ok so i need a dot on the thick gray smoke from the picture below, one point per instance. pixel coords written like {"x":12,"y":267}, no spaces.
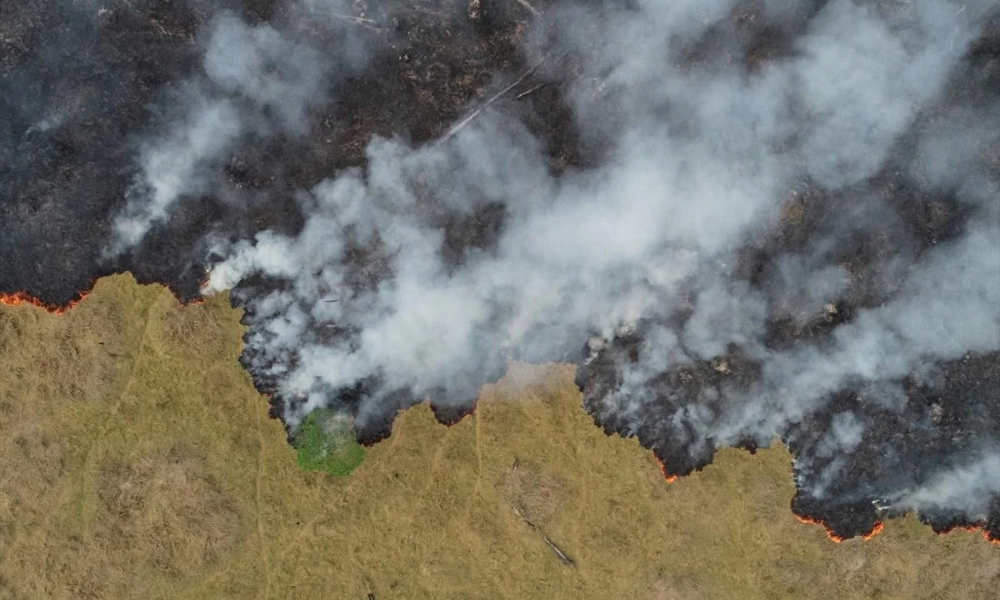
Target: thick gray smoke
{"x":702,"y":157}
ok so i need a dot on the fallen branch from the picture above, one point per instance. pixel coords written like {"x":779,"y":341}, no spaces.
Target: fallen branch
{"x":458,"y":127}
{"x":369,"y":23}
{"x":531,"y":91}
{"x":566,"y":560}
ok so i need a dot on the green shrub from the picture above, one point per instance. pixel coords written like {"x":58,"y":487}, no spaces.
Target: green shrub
{"x":326,"y":442}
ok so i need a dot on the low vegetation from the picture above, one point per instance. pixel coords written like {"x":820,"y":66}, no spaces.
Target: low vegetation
{"x":326,"y":442}
{"x":137,"y":461}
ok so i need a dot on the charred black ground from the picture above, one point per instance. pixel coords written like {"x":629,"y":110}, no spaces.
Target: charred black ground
{"x":82,"y":83}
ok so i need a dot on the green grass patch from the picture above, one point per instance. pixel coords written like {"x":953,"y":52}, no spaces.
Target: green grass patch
{"x":326,"y":442}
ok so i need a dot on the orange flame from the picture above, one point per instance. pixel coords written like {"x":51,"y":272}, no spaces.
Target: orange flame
{"x":880,"y":527}
{"x":22,"y":298}
{"x":877,"y":529}
{"x":670,"y":478}
{"x":812,"y":521}
{"x":980,"y":527}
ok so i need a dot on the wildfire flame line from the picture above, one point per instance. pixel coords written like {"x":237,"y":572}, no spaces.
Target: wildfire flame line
{"x":980,"y":527}
{"x":669,"y":477}
{"x":23,"y":298}
{"x":26,"y":299}
{"x":877,"y":529}
{"x":880,"y":527}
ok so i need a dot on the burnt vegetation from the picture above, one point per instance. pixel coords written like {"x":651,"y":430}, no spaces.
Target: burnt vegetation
{"x":79,"y":86}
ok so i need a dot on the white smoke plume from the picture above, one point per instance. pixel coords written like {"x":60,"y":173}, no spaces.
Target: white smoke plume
{"x":179,"y":164}
{"x":965,"y":489}
{"x":700,"y":159}
{"x":254,"y":79}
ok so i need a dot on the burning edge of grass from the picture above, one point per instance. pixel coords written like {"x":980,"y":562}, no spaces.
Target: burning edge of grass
{"x":326,"y":441}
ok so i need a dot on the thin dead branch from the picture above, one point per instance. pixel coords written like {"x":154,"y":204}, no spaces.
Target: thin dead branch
{"x":369,"y":23}
{"x":566,"y":560}
{"x":458,"y":126}
{"x":530,"y":91}
{"x":563,"y":557}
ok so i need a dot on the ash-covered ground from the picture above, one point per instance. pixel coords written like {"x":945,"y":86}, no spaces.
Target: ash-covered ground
{"x":740,"y":219}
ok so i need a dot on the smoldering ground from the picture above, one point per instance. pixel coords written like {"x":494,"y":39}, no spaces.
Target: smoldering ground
{"x":740,"y":219}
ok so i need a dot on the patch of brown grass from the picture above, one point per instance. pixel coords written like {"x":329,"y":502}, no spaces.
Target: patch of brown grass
{"x":137,"y":461}
{"x":537,"y":493}
{"x":167,"y":510}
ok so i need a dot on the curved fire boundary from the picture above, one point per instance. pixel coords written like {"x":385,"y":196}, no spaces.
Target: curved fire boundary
{"x":451,"y":416}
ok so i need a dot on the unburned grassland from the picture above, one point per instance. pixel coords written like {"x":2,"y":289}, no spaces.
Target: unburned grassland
{"x":137,"y":461}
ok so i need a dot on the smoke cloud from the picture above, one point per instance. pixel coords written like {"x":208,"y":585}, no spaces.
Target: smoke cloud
{"x":788,"y":220}
{"x":966,"y":489}
{"x":255,"y":80}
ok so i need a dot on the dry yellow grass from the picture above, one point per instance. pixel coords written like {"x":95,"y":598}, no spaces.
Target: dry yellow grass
{"x":137,"y":461}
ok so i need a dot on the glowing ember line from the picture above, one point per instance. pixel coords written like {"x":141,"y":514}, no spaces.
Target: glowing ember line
{"x":670,"y":478}
{"x":22,"y":299}
{"x":26,"y":299}
{"x":978,"y":527}
{"x":811,"y":521}
{"x":877,"y":529}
